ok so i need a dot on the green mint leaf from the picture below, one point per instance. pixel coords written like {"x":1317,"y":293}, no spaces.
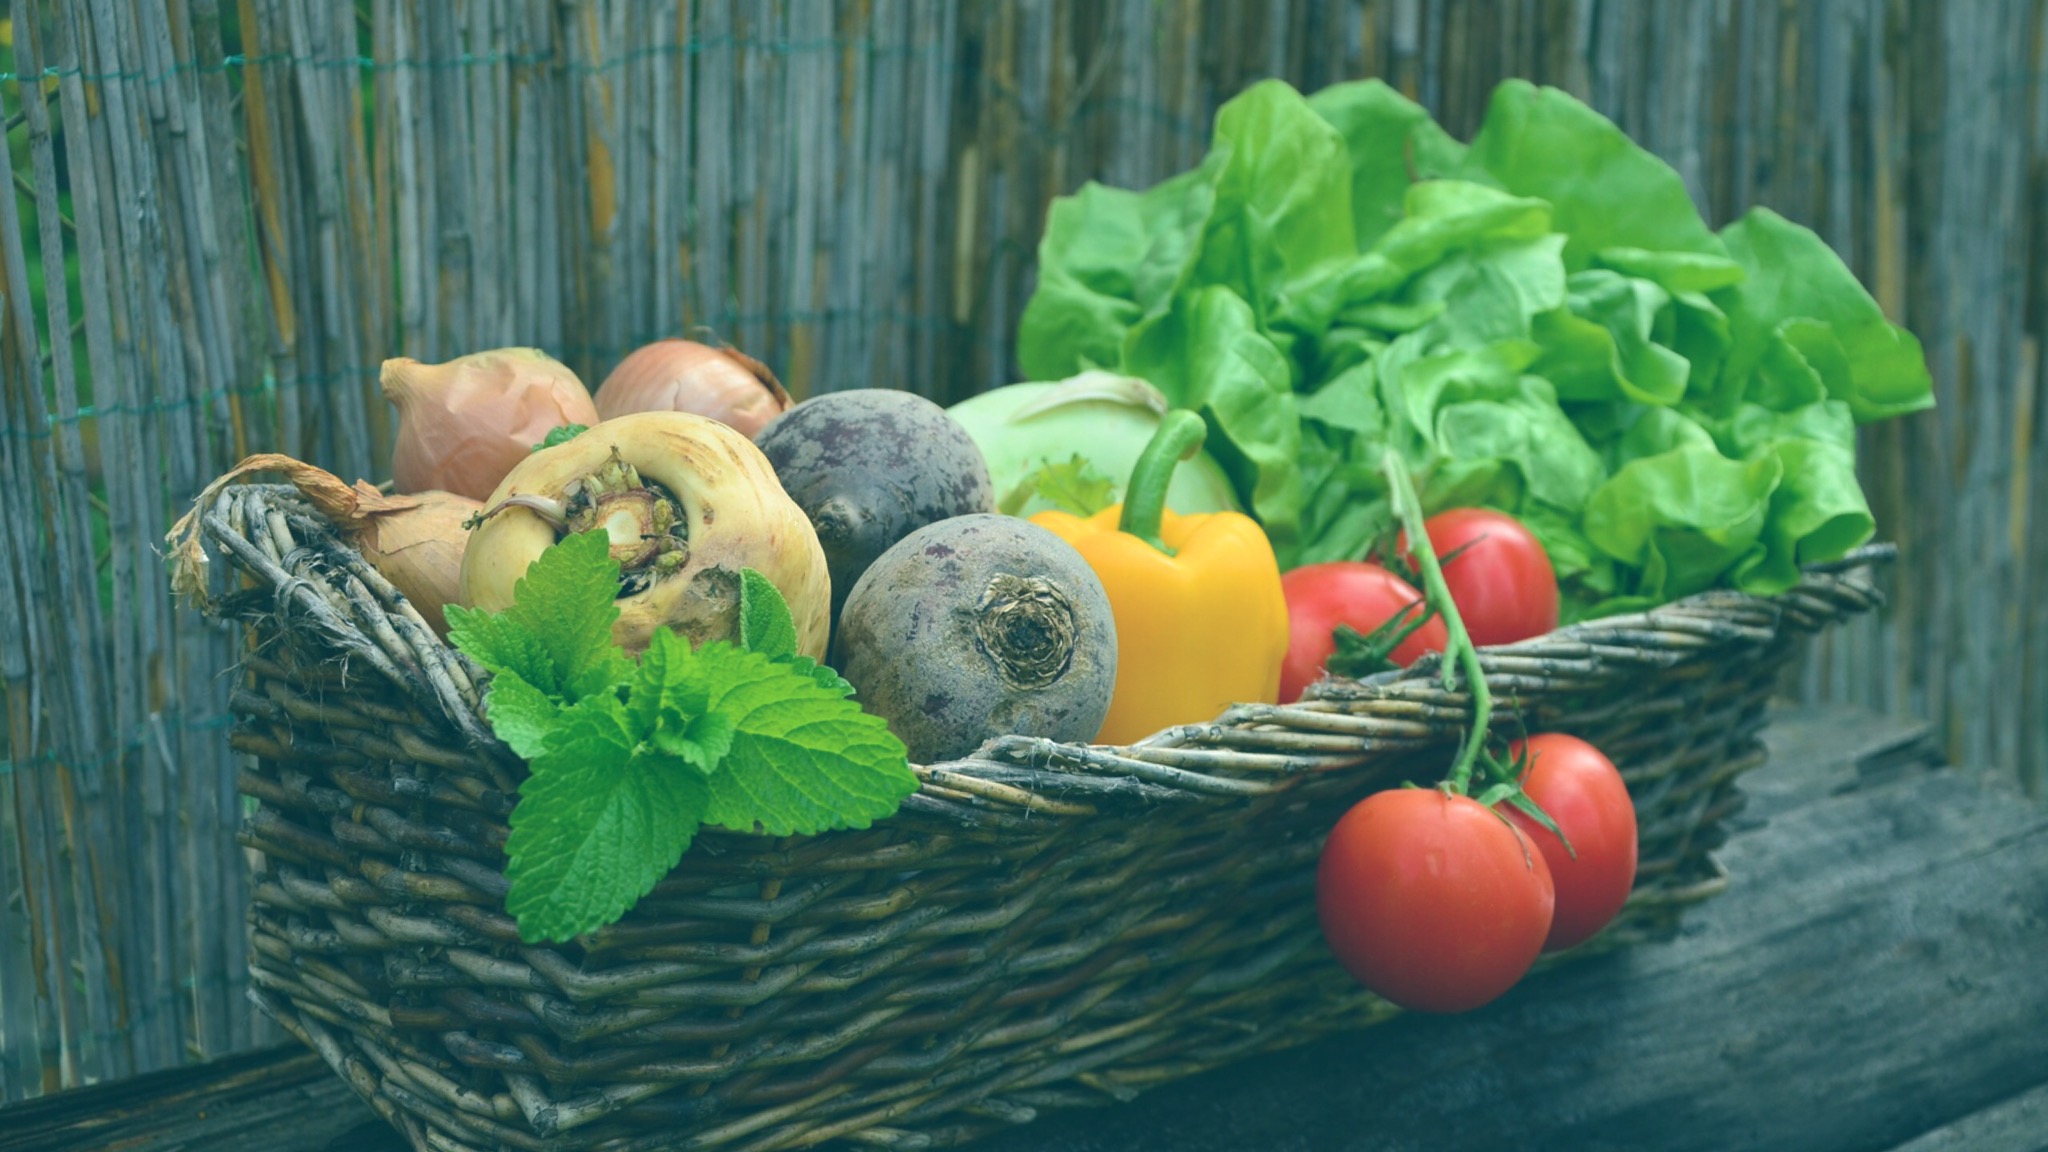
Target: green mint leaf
{"x":557,"y":636}
{"x":562,"y":435}
{"x":1072,"y":485}
{"x":670,"y":705}
{"x":599,"y":821}
{"x":804,"y":758}
{"x":667,"y":684}
{"x":702,"y":742}
{"x":501,"y":644}
{"x":765,"y":624}
{"x":822,"y":674}
{"x":520,"y":714}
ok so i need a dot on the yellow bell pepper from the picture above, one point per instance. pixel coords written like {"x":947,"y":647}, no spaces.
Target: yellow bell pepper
{"x":1201,"y":622}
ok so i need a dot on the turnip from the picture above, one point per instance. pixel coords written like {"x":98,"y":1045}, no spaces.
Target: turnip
{"x":869,"y":466}
{"x":688,"y":504}
{"x":976,"y":627}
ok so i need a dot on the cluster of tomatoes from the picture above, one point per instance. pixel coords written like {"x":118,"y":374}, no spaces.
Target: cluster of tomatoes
{"x":1429,"y":897}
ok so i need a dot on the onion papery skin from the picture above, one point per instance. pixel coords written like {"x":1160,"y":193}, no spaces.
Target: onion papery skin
{"x":420,"y":551}
{"x":465,"y":424}
{"x":685,"y":376}
{"x":414,"y":541}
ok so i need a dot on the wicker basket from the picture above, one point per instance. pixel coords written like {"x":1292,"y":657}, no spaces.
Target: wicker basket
{"x":1039,"y":927}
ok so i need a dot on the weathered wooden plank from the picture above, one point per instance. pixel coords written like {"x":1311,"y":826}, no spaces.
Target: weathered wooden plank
{"x":57,"y":493}
{"x":2014,"y":1124}
{"x":271,"y":1100}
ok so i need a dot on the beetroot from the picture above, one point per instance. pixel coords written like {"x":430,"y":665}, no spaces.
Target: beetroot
{"x":977,"y":627}
{"x":869,"y":466}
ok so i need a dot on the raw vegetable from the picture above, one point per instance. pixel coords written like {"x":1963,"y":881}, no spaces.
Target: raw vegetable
{"x":1540,"y":323}
{"x":1033,"y":434}
{"x":1497,"y":571}
{"x":627,"y":760}
{"x":869,"y":466}
{"x":464,"y":424}
{"x":1201,"y":622}
{"x":1592,"y":855}
{"x":722,"y":383}
{"x":1324,"y":598}
{"x":415,"y":541}
{"x":420,"y":551}
{"x":1432,"y":900}
{"x":687,"y":503}
{"x":975,"y":627}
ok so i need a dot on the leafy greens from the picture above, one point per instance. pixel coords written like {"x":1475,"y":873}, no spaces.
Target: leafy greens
{"x":1540,"y":322}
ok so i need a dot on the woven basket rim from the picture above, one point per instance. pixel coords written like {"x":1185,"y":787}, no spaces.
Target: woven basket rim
{"x":1239,"y":753}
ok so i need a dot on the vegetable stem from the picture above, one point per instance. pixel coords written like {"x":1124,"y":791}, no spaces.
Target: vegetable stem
{"x":1458,"y":653}
{"x":1179,"y":437}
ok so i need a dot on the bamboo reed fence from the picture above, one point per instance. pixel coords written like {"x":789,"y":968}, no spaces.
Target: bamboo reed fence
{"x":228,"y":212}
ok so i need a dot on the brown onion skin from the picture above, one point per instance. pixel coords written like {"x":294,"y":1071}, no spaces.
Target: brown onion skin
{"x":420,"y":551}
{"x":464,"y":424}
{"x":685,"y":376}
{"x":416,"y":542}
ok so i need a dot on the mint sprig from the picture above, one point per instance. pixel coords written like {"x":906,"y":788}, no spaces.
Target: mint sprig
{"x":627,"y":760}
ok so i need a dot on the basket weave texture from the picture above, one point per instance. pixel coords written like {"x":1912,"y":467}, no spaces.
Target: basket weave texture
{"x":1040,"y":926}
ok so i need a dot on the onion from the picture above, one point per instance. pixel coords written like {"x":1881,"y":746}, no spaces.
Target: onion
{"x":684,"y":376}
{"x":415,"y":541}
{"x":463,"y":425}
{"x":420,"y":551}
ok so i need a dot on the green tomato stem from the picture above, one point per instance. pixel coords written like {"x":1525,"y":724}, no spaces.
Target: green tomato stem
{"x":1458,"y":653}
{"x":1179,"y":437}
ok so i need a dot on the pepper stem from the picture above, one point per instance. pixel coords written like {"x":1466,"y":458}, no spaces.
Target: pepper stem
{"x":1179,"y":437}
{"x":1459,"y":652}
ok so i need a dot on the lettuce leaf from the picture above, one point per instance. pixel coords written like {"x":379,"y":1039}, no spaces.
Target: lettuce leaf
{"x":1207,"y":353}
{"x":1801,"y":311}
{"x":1604,"y":190}
{"x":1383,"y":133}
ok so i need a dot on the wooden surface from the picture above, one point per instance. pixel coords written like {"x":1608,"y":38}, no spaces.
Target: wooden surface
{"x":1872,"y":980}
{"x":252,"y":203}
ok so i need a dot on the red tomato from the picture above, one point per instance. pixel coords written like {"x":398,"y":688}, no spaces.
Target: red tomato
{"x":1579,"y":788}
{"x":1365,"y":596}
{"x":1432,"y":901}
{"x":1503,"y":584}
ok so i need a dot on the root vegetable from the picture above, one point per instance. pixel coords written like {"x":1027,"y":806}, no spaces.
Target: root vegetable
{"x":870,"y":466}
{"x":687,"y":503}
{"x":464,"y":424}
{"x":975,"y":627}
{"x":420,"y":551}
{"x":684,"y":376}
